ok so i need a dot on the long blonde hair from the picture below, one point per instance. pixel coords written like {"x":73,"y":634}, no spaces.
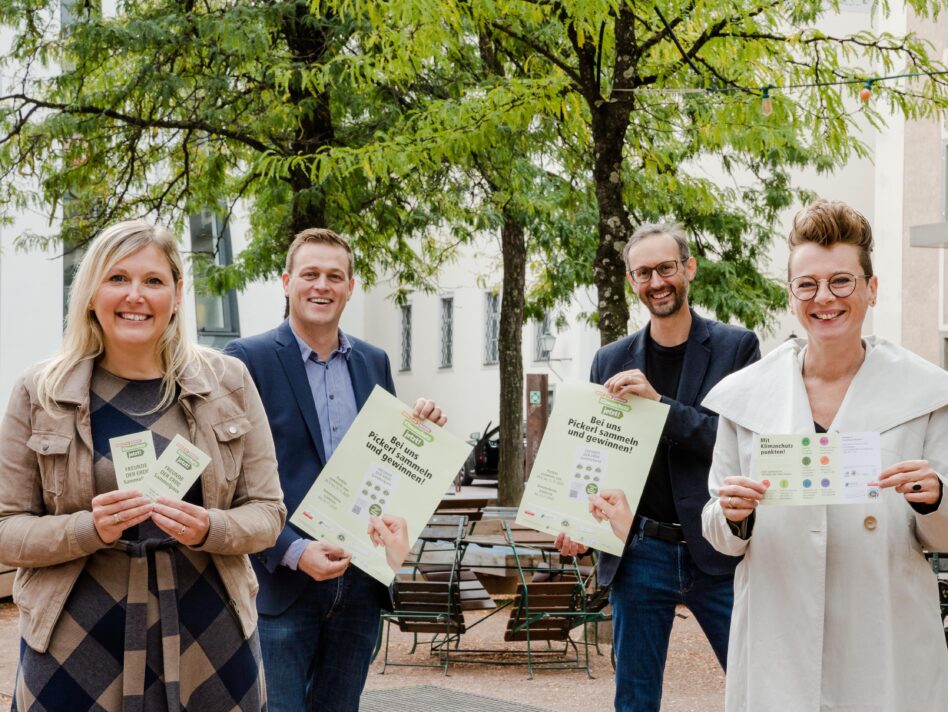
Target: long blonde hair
{"x":83,"y":338}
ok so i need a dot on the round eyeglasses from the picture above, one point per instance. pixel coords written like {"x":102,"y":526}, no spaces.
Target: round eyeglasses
{"x":641,"y":275}
{"x":841,"y":284}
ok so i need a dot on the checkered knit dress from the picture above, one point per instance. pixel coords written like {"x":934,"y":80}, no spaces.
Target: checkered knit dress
{"x":147,"y":626}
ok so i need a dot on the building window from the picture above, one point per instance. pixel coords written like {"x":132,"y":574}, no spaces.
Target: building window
{"x":492,"y":330}
{"x":447,"y":332}
{"x":216,"y":315}
{"x":406,"y":338}
{"x":542,"y":343}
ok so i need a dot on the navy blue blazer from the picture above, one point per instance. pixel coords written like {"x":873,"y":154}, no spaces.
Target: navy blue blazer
{"x":714,"y":350}
{"x":276,"y":366}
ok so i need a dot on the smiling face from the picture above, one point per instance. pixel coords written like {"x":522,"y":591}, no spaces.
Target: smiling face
{"x":136,"y":300}
{"x":662,"y":296}
{"x":826,"y":317}
{"x":318,"y":287}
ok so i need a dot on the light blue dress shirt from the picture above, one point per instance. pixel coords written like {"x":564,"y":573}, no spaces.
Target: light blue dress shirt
{"x":336,"y":408}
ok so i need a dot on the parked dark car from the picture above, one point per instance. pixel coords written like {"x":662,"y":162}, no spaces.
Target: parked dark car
{"x":484,"y":459}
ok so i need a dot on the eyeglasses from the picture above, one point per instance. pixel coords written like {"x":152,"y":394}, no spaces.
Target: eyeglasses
{"x":641,"y":275}
{"x":841,"y":284}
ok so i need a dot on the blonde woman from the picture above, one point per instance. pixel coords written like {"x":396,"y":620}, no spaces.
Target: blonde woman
{"x":126,"y":603}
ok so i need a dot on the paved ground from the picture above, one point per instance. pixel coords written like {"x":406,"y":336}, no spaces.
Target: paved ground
{"x":693,"y":680}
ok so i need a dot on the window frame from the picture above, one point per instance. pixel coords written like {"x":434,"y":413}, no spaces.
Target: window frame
{"x":405,"y":365}
{"x":492,"y":307}
{"x":447,"y":332}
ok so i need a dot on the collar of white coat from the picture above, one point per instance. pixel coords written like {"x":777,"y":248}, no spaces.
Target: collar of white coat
{"x":892,"y":386}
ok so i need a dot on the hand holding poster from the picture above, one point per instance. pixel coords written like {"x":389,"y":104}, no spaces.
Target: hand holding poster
{"x":389,"y":462}
{"x":823,"y":468}
{"x":592,"y":442}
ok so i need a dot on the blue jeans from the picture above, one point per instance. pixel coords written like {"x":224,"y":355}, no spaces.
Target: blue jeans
{"x":316,"y":654}
{"x":653,"y":577}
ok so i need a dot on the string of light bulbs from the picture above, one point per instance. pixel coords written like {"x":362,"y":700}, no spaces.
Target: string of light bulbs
{"x":767,"y":91}
{"x":865,"y":94}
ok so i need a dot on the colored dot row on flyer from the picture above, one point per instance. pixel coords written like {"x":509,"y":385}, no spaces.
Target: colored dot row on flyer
{"x":824,"y":460}
{"x":807,"y":483}
{"x":824,"y":441}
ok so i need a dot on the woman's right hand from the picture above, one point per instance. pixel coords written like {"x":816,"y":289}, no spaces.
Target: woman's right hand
{"x":392,"y":533}
{"x":739,"y":497}
{"x":116,"y":511}
{"x":611,"y":505}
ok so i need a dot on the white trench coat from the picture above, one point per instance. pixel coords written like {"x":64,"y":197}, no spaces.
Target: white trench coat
{"x":835,"y":607}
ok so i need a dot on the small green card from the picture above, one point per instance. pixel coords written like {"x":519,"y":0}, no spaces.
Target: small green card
{"x":133,"y":457}
{"x":176,"y":470}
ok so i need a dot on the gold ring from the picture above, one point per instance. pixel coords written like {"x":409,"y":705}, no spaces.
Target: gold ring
{"x":182,"y":531}
{"x":116,"y":519}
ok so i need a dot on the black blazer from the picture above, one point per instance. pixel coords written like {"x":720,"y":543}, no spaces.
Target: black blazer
{"x":714,"y":350}
{"x":276,"y":366}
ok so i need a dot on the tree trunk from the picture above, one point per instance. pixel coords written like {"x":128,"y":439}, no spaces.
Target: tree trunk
{"x":610,"y":121}
{"x":308,"y":43}
{"x":309,"y":39}
{"x":510,"y":475}
{"x":614,"y":227}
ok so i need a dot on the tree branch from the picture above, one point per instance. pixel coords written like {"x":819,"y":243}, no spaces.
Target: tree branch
{"x":88,"y":110}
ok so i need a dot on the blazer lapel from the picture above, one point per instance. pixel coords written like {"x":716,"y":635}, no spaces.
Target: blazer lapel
{"x":362,"y":385}
{"x":695,"y":364}
{"x":289,"y":354}
{"x":636,"y":355}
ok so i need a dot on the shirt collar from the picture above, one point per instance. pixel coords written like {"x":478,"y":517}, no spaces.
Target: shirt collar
{"x":344,"y":348}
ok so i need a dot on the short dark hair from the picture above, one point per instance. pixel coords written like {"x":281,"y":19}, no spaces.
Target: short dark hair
{"x":827,"y":223}
{"x":320,"y":235}
{"x":673,"y":230}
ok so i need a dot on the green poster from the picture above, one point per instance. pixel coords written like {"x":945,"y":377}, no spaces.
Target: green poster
{"x":389,"y":462}
{"x":592,"y":442}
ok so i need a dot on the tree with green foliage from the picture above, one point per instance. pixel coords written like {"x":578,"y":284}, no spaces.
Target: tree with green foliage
{"x":639,"y":100}
{"x":169,"y":108}
{"x":645,"y":96}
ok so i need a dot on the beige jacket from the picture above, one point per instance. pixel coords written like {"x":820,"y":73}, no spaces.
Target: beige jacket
{"x":46,"y":488}
{"x":835,"y":607}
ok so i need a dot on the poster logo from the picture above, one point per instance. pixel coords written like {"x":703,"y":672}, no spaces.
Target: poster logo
{"x":612,"y":406}
{"x":417,"y":432}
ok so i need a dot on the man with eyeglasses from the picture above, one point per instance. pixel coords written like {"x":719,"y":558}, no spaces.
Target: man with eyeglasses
{"x":676,"y":359}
